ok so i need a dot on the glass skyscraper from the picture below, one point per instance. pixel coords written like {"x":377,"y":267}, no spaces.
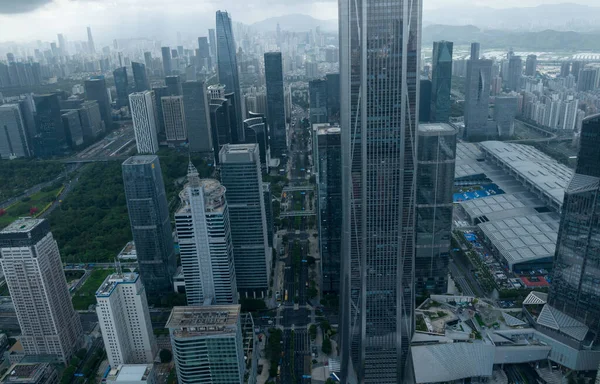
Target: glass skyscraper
{"x":121,"y":84}
{"x":477,"y":97}
{"x":275,"y":102}
{"x":379,"y":88}
{"x":575,"y":286}
{"x":441,"y":81}
{"x":140,"y":77}
{"x":228,"y":69}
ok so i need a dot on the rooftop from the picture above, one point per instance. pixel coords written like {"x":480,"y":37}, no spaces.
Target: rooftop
{"x":140,"y":159}
{"x":467,"y":160}
{"x":436,"y":128}
{"x":498,"y":207}
{"x":25,"y":373}
{"x":22,"y":225}
{"x":130,"y":372}
{"x":112,"y":281}
{"x":208,"y":320}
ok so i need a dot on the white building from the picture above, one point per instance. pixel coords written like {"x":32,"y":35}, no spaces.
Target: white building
{"x":33,"y":271}
{"x":144,"y":121}
{"x":205,"y":243}
{"x":132,"y":374}
{"x":124,"y":320}
{"x":174,"y":117}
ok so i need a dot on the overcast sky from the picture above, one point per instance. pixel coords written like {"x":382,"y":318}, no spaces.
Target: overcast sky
{"x":26,"y":20}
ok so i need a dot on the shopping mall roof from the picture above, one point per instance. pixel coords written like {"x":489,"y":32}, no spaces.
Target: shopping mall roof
{"x":538,"y":172}
{"x":468,"y":157}
{"x":499,"y":207}
{"x":523,"y":239}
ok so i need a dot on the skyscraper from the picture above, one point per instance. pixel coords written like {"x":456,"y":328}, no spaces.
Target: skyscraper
{"x":333,"y":97}
{"x":124,"y":318}
{"x":212,"y":39}
{"x":565,"y":69}
{"x":91,"y":121}
{"x":256,"y":132}
{"x":140,"y":78}
{"x":317,"y":95}
{"x":197,"y":116}
{"x":34,"y":275}
{"x":144,"y":121}
{"x":586,"y":81}
{"x":14,"y":142}
{"x":166,"y":59}
{"x":575,"y":289}
{"x":91,"y":46}
{"x":174,"y":116}
{"x":328,"y":161}
{"x":173,"y":84}
{"x":204,"y":60}
{"x":220,"y":124}
{"x":505,"y":111}
{"x":95,"y":89}
{"x":73,"y":130}
{"x":51,"y":139}
{"x":441,"y":82}
{"x":228,"y":69}
{"x":531,"y":65}
{"x":150,"y":223}
{"x":378,"y":186}
{"x":477,"y":98}
{"x":436,"y":156}
{"x":62,"y":44}
{"x":204,"y":234}
{"x":515,"y":71}
{"x":207,"y":344}
{"x":159,"y":93}
{"x":121,"y":84}
{"x":275,"y":103}
{"x":241,"y":175}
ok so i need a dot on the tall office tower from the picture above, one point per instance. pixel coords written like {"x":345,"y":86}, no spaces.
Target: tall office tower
{"x":275,"y":103}
{"x":92,"y":125}
{"x":166,"y":59}
{"x":268,"y":197}
{"x":531,"y":65}
{"x":505,"y":111}
{"x":144,"y":121}
{"x":207,"y":344}
{"x":477,"y":100}
{"x":34,"y":275}
{"x":204,"y":60}
{"x":436,"y":155}
{"x":197,"y":116}
{"x":14,"y":142}
{"x":150,"y":223}
{"x":378,"y":186}
{"x":317,"y":95}
{"x":475,"y":51}
{"x":241,"y":175}
{"x":140,"y":78}
{"x":148,"y":60}
{"x":228,"y":69}
{"x":565,"y":69}
{"x":4,"y":75}
{"x":50,"y":139}
{"x":574,"y":287}
{"x":212,"y":38}
{"x":95,"y":89}
{"x":62,"y":44}
{"x":333,"y":97}
{"x":173,"y":84}
{"x":72,"y":125}
{"x":257,"y":133}
{"x":124,"y":318}
{"x":159,"y":93}
{"x":91,"y":46}
{"x":515,"y":71}
{"x":122,"y":84}
{"x":576,"y":66}
{"x":441,"y":82}
{"x":190,"y":73}
{"x":587,"y":79}
{"x":174,"y":116}
{"x":425,"y":100}
{"x":328,"y":161}
{"x":220,"y":125}
{"x":205,"y":244}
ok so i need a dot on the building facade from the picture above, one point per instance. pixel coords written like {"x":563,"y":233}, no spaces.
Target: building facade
{"x":379,"y":77}
{"x":166,"y":59}
{"x":143,"y":117}
{"x":122,"y":85}
{"x":197,"y":116}
{"x":505,"y":111}
{"x":14,"y":141}
{"x":275,"y":102}
{"x":34,"y":275}
{"x":140,"y":78}
{"x":95,"y":90}
{"x":150,"y":223}
{"x":124,"y":319}
{"x":174,"y":115}
{"x":477,"y":99}
{"x":317,"y":90}
{"x":441,"y":82}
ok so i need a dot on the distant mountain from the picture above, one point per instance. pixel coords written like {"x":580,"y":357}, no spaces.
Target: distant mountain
{"x":295,"y":23}
{"x":548,"y":40}
{"x":560,"y":17}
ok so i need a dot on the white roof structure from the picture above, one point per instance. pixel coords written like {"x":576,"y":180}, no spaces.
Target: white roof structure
{"x":512,"y":321}
{"x":536,"y":298}
{"x":467,"y":156}
{"x":553,"y":318}
{"x":498,"y":207}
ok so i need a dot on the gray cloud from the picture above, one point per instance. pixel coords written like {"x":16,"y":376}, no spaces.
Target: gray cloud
{"x":21,"y":6}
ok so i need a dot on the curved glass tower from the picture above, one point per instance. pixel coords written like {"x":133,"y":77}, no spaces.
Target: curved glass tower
{"x":379,"y":88}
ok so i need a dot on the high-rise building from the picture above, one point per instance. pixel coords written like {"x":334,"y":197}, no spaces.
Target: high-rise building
{"x":256,"y":132}
{"x":505,"y":111}
{"x":475,"y":51}
{"x":166,"y":59}
{"x":204,"y":60}
{"x":436,"y":157}
{"x":197,"y":116}
{"x":576,"y":66}
{"x":275,"y":103}
{"x":241,"y":175}
{"x":477,"y":98}
{"x":121,"y":84}
{"x":124,"y":318}
{"x":531,"y":65}
{"x":92,"y":125}
{"x":159,"y":93}
{"x":379,"y":111}
{"x":207,"y":344}
{"x":91,"y":46}
{"x":317,"y":95}
{"x":144,"y":121}
{"x":268,"y":197}
{"x":425,"y":100}
{"x":51,"y":139}
{"x":173,"y":84}
{"x":62,"y":44}
{"x":220,"y":124}
{"x":150,"y":222}
{"x":228,"y":69}
{"x":328,"y":161}
{"x":441,"y":82}
{"x":95,"y":89}
{"x":14,"y":141}
{"x":148,"y":60}
{"x":205,"y":244}
{"x":174,"y":116}
{"x":34,"y":275}
{"x":212,"y":38}
{"x":515,"y":71}
{"x":565,"y":69}
{"x":73,"y":130}
{"x":333,"y":97}
{"x":587,"y":79}
{"x":140,"y":78}
{"x":575,"y":289}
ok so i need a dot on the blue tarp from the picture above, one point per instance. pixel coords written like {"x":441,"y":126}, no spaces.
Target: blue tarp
{"x":488,"y":190}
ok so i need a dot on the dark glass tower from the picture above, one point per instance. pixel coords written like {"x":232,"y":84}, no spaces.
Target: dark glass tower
{"x":166,"y":58}
{"x":121,"y":84}
{"x":515,"y":71}
{"x":212,"y":38}
{"x":317,"y":93}
{"x":227,"y":66}
{"x":531,"y":65}
{"x":95,"y":89}
{"x":575,"y":286}
{"x":150,"y":223}
{"x":204,"y":53}
{"x":275,"y":102}
{"x":477,"y":97}
{"x":220,"y":124}
{"x":333,"y":97}
{"x":441,"y":82}
{"x":173,"y":84}
{"x":197,"y":116}
{"x":140,"y":77}
{"x":379,"y":76}
{"x":256,"y":133}
{"x":51,"y":139}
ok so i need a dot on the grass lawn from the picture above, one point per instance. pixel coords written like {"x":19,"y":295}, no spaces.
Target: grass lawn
{"x":86,"y":295}
{"x":35,"y":203}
